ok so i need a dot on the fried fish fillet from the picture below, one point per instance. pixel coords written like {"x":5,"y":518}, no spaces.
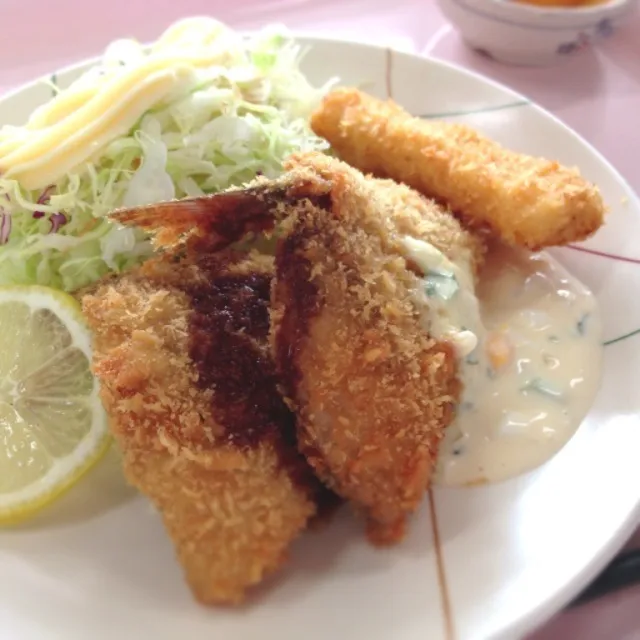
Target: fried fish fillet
{"x":525,"y":201}
{"x":373,"y":391}
{"x":188,"y":382}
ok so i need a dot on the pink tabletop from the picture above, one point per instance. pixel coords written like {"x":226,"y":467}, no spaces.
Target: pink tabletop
{"x":596,"y":93}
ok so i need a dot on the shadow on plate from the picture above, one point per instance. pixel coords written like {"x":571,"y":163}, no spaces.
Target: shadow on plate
{"x":102,"y":489}
{"x":548,"y":86}
{"x":106,"y":537}
{"x":338,"y":547}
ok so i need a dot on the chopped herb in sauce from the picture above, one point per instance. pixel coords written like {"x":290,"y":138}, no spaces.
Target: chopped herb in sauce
{"x":441,"y":284}
{"x":533,"y":372}
{"x":472,"y":358}
{"x":537,"y":385}
{"x":53,"y":83}
{"x":582,"y":324}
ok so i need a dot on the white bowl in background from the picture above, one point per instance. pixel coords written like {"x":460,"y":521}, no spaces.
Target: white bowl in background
{"x":530,"y":35}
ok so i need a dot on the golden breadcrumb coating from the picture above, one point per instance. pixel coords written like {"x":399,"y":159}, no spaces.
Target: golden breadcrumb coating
{"x":181,"y":352}
{"x":525,"y":201}
{"x":372,"y":390}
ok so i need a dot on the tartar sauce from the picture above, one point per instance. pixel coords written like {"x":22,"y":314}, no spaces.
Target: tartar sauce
{"x":535,"y":368}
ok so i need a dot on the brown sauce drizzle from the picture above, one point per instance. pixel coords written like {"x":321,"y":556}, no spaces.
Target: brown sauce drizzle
{"x":302,"y":302}
{"x":229,"y":323}
{"x":229,"y":328}
{"x":300,"y":298}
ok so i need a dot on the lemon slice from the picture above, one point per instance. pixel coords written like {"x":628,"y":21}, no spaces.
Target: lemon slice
{"x":52,"y":425}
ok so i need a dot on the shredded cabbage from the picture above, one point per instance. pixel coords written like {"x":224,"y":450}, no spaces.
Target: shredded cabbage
{"x":239,"y":117}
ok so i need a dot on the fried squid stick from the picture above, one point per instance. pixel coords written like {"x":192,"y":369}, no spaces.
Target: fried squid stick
{"x":525,"y":201}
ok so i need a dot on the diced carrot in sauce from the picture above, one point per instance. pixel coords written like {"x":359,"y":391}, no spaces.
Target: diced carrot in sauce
{"x":499,"y":350}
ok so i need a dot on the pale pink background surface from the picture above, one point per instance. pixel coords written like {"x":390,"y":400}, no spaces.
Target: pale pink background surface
{"x":597,"y":93}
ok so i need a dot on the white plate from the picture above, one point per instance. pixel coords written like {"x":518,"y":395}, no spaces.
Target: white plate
{"x":488,"y":562}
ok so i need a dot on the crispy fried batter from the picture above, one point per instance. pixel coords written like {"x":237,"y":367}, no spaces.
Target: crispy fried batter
{"x":373,"y":392}
{"x":526,"y":201}
{"x":182,"y":355}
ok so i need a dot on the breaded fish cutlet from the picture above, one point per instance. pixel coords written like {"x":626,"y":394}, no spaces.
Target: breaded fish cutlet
{"x":372,"y":390}
{"x":190,"y":387}
{"x":525,"y":201}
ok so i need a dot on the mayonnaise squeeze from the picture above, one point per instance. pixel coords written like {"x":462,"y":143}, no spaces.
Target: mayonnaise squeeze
{"x":104,"y":105}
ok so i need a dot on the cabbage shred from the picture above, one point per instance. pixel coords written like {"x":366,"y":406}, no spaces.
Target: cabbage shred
{"x":239,"y":121}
